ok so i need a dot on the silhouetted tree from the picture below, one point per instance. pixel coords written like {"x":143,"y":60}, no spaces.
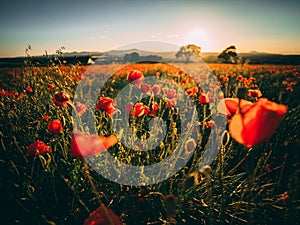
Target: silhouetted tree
{"x":132,"y":57}
{"x":229,"y":55}
{"x":186,"y":52}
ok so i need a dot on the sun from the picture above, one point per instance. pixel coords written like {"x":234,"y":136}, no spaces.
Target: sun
{"x":198,"y":37}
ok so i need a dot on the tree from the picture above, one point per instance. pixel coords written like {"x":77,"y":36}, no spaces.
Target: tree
{"x":229,"y":55}
{"x":186,"y":52}
{"x":132,"y":57}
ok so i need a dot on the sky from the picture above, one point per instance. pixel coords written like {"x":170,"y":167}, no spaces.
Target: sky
{"x":264,"y":26}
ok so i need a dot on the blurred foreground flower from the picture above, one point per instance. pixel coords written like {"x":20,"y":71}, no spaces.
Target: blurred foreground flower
{"x":102,"y":216}
{"x":229,"y":106}
{"x":83,"y":145}
{"x":55,"y":127}
{"x":256,"y":123}
{"x":61,"y":98}
{"x":38,"y":148}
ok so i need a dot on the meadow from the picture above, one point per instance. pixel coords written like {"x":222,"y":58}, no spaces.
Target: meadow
{"x":45,"y":178}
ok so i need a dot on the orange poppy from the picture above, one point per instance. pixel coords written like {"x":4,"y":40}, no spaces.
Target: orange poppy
{"x":256,"y":123}
{"x":102,"y":216}
{"x":84,"y":145}
{"x":229,"y":106}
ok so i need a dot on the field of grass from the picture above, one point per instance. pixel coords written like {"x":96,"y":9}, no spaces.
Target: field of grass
{"x":54,"y":185}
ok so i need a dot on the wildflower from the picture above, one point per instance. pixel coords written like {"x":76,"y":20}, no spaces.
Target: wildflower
{"x":156,"y":88}
{"x":50,"y":86}
{"x":219,"y":84}
{"x":29,"y":89}
{"x":225,"y":79}
{"x":203,"y":98}
{"x":171,"y":103}
{"x":61,"y":98}
{"x":55,"y":127}
{"x":80,"y":108}
{"x":146,"y":88}
{"x":83,"y":145}
{"x":38,"y":148}
{"x":140,"y":109}
{"x":135,"y":76}
{"x":21,"y":96}
{"x":154,"y":109}
{"x":171,"y":94}
{"x":192,"y":91}
{"x":254,"y":93}
{"x":102,"y":216}
{"x":107,"y":105}
{"x":180,"y":72}
{"x":239,"y":77}
{"x":229,"y":106}
{"x":183,"y":80}
{"x":257,"y":123}
{"x":209,"y":123}
{"x":46,"y":117}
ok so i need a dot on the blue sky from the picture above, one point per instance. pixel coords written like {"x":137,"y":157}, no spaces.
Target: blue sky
{"x":267,"y":26}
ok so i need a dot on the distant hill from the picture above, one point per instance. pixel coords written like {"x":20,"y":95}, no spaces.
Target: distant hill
{"x":118,"y":56}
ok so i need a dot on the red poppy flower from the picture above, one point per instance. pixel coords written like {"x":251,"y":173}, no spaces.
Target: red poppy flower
{"x":192,"y":91}
{"x":171,"y":103}
{"x":21,"y":96}
{"x":135,"y":76}
{"x":209,"y":124}
{"x":180,"y":72}
{"x":61,"y":98}
{"x":229,"y":106}
{"x":83,"y":145}
{"x":171,"y":94}
{"x":203,"y":98}
{"x":239,"y":77}
{"x":154,"y":109}
{"x":257,"y":123}
{"x":106,"y":104}
{"x":140,"y":109}
{"x":254,"y":93}
{"x":102,"y":216}
{"x":38,"y":148}
{"x":146,"y":88}
{"x":80,"y":108}
{"x":183,"y":80}
{"x":46,"y":117}
{"x":29,"y":89}
{"x":156,"y":88}
{"x":55,"y":127}
{"x":50,"y":86}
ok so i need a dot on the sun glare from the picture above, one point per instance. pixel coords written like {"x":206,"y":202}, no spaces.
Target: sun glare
{"x":199,"y":37}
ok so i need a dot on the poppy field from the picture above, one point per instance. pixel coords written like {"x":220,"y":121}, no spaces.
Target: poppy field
{"x":48,"y":151}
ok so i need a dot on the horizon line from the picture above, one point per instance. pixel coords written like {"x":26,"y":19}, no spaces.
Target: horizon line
{"x":212,"y":52}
